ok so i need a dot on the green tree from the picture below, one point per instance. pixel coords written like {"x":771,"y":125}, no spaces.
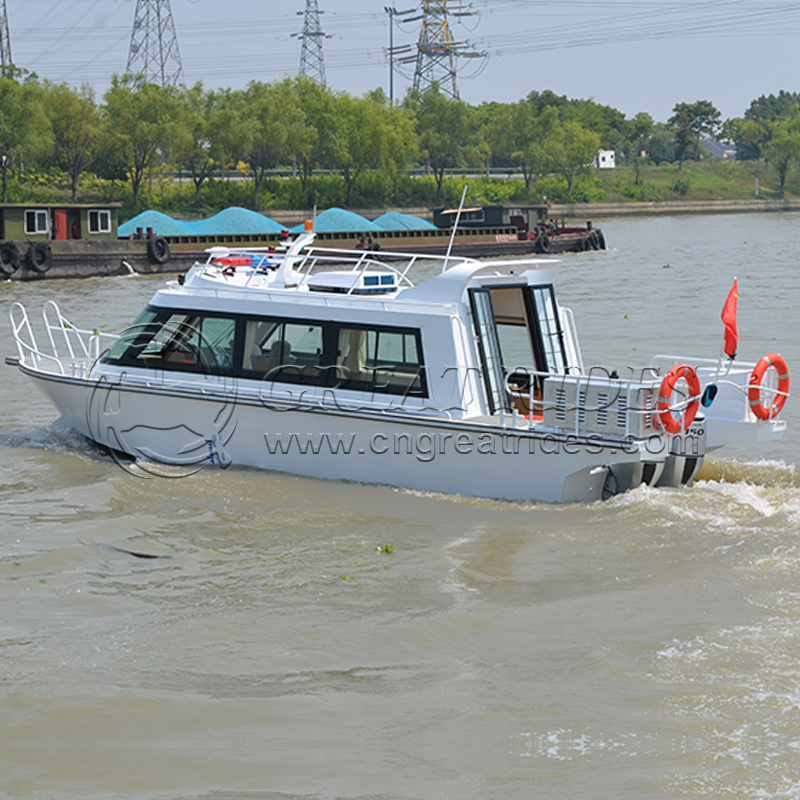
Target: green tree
{"x":77,"y":129}
{"x":196,"y":147}
{"x":575,"y":150}
{"x":354,"y":138}
{"x":749,"y":135}
{"x":399,"y":145}
{"x":142,"y":121}
{"x":640,"y":131}
{"x":662,"y":145}
{"x":260,"y":125}
{"x":448,"y":132}
{"x":524,"y":138}
{"x":783,"y":148}
{"x":24,"y":129}
{"x":689,"y":123}
{"x":605,"y":121}
{"x":316,"y":102}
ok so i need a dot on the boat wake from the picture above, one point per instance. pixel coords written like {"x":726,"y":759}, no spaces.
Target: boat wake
{"x":764,"y":472}
{"x":59,"y":436}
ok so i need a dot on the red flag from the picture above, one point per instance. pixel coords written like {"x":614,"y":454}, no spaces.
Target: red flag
{"x":729,"y":320}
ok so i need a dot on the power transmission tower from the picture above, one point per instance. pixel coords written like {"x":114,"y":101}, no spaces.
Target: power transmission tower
{"x":312,"y":63}
{"x":5,"y":39}
{"x":154,"y":44}
{"x":437,"y":50}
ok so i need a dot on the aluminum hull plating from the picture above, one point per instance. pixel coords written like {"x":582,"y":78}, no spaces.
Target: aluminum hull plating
{"x":206,"y":429}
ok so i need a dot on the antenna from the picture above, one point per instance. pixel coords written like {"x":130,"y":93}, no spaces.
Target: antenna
{"x":312,"y":63}
{"x":5,"y":40}
{"x":154,"y":44}
{"x":437,"y":50}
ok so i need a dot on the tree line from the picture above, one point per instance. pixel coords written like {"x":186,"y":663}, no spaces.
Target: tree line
{"x":141,"y":129}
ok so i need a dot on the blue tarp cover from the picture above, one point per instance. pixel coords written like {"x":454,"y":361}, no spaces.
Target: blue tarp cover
{"x":395,"y":221}
{"x":232,"y":220}
{"x":161,"y":224}
{"x":334,"y":220}
{"x":237,"y":220}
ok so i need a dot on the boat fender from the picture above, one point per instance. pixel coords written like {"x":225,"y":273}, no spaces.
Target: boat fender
{"x":39,"y":257}
{"x":9,"y":258}
{"x":594,"y":241}
{"x":668,"y":421}
{"x":601,"y":240}
{"x":158,"y":250}
{"x":543,"y":244}
{"x":754,"y":387}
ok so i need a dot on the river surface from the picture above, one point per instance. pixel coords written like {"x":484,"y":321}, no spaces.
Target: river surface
{"x":294,"y":639}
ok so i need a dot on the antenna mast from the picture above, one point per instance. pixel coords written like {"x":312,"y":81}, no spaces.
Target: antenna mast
{"x":154,"y":44}
{"x":5,"y":40}
{"x":312,"y":63}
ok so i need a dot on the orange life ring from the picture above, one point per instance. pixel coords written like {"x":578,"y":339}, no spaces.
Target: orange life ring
{"x":678,"y":372}
{"x":754,"y":388}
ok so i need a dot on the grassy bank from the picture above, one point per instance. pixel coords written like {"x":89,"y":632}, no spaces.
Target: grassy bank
{"x":704,"y":181}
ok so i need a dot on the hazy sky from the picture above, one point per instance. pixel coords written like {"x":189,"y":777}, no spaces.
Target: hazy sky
{"x":645,"y":55}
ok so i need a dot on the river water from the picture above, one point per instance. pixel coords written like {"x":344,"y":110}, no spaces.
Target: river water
{"x":277,"y":647}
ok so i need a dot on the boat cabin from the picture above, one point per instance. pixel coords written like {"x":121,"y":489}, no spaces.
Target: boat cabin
{"x":58,"y":221}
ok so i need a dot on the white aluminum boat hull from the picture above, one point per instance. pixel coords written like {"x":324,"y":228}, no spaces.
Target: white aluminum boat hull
{"x":190,"y":431}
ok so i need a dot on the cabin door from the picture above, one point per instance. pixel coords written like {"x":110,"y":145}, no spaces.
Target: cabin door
{"x":518,"y":334}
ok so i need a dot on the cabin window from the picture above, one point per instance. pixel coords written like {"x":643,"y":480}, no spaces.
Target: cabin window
{"x":37,"y":222}
{"x":489,"y":344}
{"x":99,"y":221}
{"x":139,"y":329}
{"x":379,"y":361}
{"x":283,"y":351}
{"x":319,"y":354}
{"x":550,"y":336}
{"x":178,"y":341}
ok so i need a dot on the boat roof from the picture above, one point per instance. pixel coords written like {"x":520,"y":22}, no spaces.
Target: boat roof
{"x":313,"y":276}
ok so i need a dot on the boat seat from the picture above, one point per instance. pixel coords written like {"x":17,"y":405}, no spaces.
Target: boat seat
{"x":520,"y":382}
{"x":279,"y":354}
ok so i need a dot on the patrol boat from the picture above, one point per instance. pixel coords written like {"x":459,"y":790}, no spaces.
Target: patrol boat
{"x":334,"y":364}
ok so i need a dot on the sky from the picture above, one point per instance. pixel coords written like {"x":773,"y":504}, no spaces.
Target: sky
{"x":642,"y":55}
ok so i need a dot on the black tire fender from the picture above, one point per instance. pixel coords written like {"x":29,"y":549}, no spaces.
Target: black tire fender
{"x":39,"y":257}
{"x":9,"y":257}
{"x":158,"y":250}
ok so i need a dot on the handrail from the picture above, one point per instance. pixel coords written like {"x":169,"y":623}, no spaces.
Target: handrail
{"x":88,"y":341}
{"x":29,"y":347}
{"x":311,"y":257}
{"x":622,"y":384}
{"x":711,"y":362}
